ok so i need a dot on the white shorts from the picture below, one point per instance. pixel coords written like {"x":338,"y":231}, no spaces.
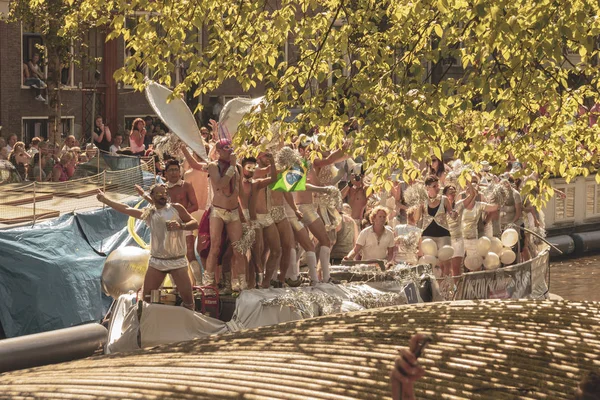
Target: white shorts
{"x":164,"y":265}
{"x":440,"y":241}
{"x":470,"y":247}
{"x":459,"y":247}
{"x":265,"y":220}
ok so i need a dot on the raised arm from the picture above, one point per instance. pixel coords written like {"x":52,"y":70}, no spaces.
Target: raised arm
{"x":107,"y":134}
{"x":96,"y":137}
{"x":345,"y":191}
{"x":219,"y":181}
{"x":336,"y":156}
{"x":192,"y":160}
{"x":120,"y":207}
{"x":262,"y":183}
{"x":319,"y":189}
{"x":143,"y":194}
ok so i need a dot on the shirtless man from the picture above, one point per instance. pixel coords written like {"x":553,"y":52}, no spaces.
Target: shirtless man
{"x":301,"y":236}
{"x":310,"y":217}
{"x":270,"y":233}
{"x":286,"y":233}
{"x":357,"y":198}
{"x":250,"y":191}
{"x":167,"y":222}
{"x":224,"y":179}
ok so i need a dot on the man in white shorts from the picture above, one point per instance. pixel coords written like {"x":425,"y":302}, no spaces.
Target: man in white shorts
{"x":168,"y":223}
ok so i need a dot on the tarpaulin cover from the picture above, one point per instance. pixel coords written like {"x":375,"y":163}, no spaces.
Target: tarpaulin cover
{"x":50,"y":273}
{"x":118,"y":162}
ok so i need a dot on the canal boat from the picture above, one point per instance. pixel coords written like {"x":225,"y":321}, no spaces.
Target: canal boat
{"x":135,"y":324}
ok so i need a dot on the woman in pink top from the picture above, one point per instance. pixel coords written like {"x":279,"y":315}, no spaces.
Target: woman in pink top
{"x":60,"y":171}
{"x":136,"y":137}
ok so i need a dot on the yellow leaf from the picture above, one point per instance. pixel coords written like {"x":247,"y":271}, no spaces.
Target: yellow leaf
{"x":598,"y":178}
{"x":438,"y":30}
{"x":438,"y":153}
{"x":442,"y":6}
{"x":271,"y":61}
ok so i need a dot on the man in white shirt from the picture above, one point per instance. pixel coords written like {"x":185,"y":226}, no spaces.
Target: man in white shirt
{"x":116,"y":146}
{"x":10,"y":142}
{"x":33,"y":148}
{"x":375,"y":242}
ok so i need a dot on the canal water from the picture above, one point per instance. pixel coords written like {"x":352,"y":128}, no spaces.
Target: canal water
{"x":576,"y":279}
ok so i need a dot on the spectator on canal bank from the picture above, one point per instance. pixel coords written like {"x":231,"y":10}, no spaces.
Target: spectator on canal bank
{"x":101,"y":136}
{"x":115,"y":148}
{"x":10,"y":141}
{"x":34,"y":146}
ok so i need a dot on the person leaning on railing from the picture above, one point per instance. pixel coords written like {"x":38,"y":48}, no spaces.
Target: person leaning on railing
{"x":136,"y":137}
{"x":38,"y":174}
{"x":20,"y":159}
{"x":64,"y":169}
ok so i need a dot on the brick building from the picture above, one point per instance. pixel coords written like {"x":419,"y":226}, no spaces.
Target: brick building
{"x":20,"y":113}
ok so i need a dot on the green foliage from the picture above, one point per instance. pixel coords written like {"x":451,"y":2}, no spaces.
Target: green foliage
{"x":386,"y":63}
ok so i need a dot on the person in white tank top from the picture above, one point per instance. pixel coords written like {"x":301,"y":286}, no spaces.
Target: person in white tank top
{"x":167,"y":223}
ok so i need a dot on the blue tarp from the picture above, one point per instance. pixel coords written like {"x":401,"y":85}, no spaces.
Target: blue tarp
{"x":118,"y":163}
{"x":50,"y":273}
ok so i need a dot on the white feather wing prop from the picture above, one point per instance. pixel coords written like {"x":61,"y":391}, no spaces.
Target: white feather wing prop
{"x":177,"y":116}
{"x":232,"y":113}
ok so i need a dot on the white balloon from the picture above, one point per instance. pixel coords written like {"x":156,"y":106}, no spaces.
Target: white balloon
{"x":427,"y":259}
{"x":491,"y":261}
{"x":483,"y":246}
{"x":496,"y":246}
{"x":445,"y":253}
{"x":124,"y":270}
{"x":510,"y":237}
{"x":429,"y":247}
{"x":473,"y":262}
{"x":508,"y":256}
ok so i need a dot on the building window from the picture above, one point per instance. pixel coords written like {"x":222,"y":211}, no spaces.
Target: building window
{"x":40,"y":127}
{"x":32,"y":43}
{"x":592,"y":200}
{"x":564,"y":209}
{"x":67,"y":71}
{"x":94,"y":55}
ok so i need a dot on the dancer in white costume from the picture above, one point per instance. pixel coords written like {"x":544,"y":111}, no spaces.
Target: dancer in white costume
{"x":168,"y":223}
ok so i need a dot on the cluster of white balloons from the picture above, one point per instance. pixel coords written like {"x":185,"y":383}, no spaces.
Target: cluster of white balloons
{"x":431,"y":253}
{"x":491,"y":253}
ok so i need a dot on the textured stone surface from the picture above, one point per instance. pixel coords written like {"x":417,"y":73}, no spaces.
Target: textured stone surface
{"x":541,"y":347}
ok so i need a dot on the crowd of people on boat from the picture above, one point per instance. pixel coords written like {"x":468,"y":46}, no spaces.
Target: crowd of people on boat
{"x":252,"y":236}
